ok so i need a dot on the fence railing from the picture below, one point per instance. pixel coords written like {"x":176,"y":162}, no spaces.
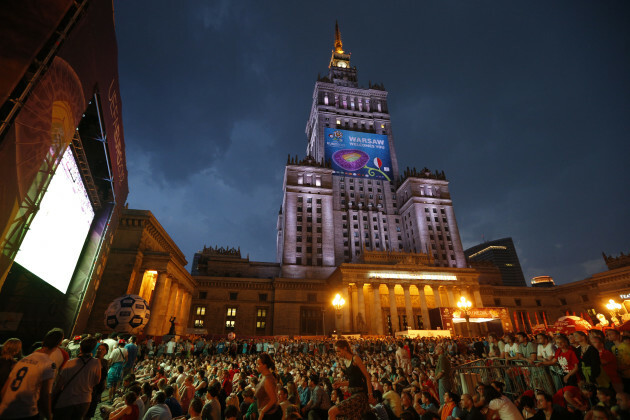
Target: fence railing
{"x":518,"y":376}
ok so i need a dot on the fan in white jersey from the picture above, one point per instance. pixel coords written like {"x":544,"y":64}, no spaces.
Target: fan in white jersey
{"x":29,"y":383}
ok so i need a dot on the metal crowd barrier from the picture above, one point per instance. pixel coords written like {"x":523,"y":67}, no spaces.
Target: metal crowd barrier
{"x":518,"y":376}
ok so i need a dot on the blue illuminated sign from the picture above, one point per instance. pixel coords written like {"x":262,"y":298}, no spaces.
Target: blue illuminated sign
{"x":357,"y":154}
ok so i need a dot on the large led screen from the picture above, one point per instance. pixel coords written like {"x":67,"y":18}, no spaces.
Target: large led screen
{"x":358,"y":154}
{"x":53,"y":243}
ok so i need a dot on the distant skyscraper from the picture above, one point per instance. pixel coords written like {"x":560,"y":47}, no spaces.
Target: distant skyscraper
{"x":503,"y":255}
{"x":348,"y":195}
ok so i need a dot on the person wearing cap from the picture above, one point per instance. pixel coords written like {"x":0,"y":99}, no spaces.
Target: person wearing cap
{"x":117,"y":359}
{"x":74,"y":346}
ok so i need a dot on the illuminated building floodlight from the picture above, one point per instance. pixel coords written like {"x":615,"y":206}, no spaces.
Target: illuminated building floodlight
{"x":407,"y":276}
{"x":487,"y":249}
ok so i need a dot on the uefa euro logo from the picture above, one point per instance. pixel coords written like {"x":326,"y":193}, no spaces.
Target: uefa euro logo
{"x":336,"y":136}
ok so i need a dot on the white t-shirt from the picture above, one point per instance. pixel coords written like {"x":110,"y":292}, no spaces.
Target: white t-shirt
{"x":118,"y":355}
{"x":24,"y":383}
{"x":506,"y":408}
{"x":546,"y":352}
{"x":111,"y":345}
{"x":511,"y":349}
{"x":170,"y":347}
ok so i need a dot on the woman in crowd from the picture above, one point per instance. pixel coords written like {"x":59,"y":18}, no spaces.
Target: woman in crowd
{"x":590,"y":365}
{"x":267,"y":389}
{"x":358,"y":383}
{"x":201,"y":387}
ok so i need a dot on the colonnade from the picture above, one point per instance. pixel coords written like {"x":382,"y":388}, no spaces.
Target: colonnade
{"x":169,"y":299}
{"x":357,"y":306}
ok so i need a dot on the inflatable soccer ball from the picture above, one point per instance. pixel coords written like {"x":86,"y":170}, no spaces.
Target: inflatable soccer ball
{"x":127,"y":314}
{"x":231,"y":336}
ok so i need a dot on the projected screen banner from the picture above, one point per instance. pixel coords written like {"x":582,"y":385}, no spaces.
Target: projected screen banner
{"x":52,"y":246}
{"x":357,"y":154}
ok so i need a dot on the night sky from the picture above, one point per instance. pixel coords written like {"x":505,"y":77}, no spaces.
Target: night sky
{"x":525,"y":106}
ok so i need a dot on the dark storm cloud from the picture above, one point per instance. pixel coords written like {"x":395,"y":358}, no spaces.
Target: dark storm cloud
{"x":525,"y":107}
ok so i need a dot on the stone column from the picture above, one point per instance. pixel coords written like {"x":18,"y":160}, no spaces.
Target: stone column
{"x":408,"y":307}
{"x":170,"y":309}
{"x":360,"y":319}
{"x":346,"y":311}
{"x":393,"y":309}
{"x":185,"y":311}
{"x":355,"y":308}
{"x":159,"y":302}
{"x":377,"y":316}
{"x":181,"y":311}
{"x":451,"y":298}
{"x":424,"y":308}
{"x":436,"y":294}
{"x":478,"y":300}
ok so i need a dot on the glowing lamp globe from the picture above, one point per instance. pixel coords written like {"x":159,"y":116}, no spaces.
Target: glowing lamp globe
{"x":127,"y":314}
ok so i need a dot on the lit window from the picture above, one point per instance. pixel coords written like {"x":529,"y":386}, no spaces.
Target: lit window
{"x":231,"y":311}
{"x":230,"y":323}
{"x":198,"y":323}
{"x":201,"y":310}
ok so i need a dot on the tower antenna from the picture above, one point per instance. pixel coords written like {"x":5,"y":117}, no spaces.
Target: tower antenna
{"x":338,"y":43}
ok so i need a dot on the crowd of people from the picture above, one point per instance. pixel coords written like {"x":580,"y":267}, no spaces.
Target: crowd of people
{"x":116,"y":377}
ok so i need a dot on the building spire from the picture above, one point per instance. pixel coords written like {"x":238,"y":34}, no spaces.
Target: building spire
{"x":338,"y":43}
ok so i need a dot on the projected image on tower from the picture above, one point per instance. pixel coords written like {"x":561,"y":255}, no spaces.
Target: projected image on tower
{"x":358,"y":154}
{"x":53,"y":243}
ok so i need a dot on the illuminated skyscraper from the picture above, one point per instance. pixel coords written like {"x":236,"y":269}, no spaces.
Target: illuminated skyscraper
{"x":502,"y":254}
{"x":347,"y":195}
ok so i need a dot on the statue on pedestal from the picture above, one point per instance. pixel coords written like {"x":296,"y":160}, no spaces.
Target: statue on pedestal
{"x":171,"y":331}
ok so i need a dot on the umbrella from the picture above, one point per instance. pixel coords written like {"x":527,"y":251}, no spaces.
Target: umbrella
{"x":571,"y":324}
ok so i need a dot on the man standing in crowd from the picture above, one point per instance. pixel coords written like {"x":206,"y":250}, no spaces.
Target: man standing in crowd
{"x":403,"y":359}
{"x":132,"y":354}
{"x":76,"y":381}
{"x":26,"y":394}
{"x":526,"y":348}
{"x":443,"y":372}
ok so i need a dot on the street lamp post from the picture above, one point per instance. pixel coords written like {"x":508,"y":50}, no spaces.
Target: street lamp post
{"x":338,"y":303}
{"x":464,"y":305}
{"x":614,"y":308}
